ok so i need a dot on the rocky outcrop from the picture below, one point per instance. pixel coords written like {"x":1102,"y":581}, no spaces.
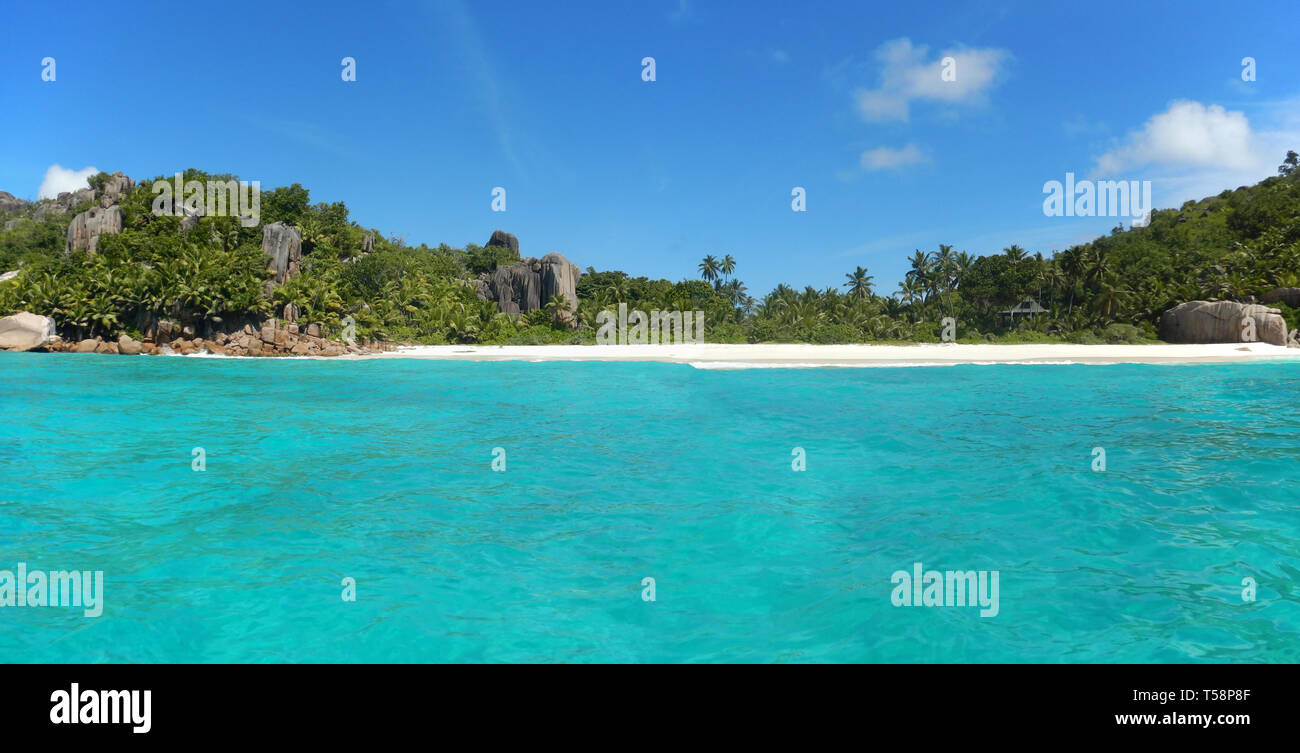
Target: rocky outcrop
{"x":518,"y":287}
{"x":191,"y":218}
{"x":11,"y":203}
{"x":531,"y":283}
{"x":127,"y":346}
{"x":1289,"y":296}
{"x":62,"y":203}
{"x":368,"y":243}
{"x":11,"y":224}
{"x":283,"y":246}
{"x":503,"y":239}
{"x":115,"y":189}
{"x":26,"y":331}
{"x":560,"y":277}
{"x":86,"y":227}
{"x":1221,"y":322}
{"x":7,"y":276}
{"x":273,"y":338}
{"x":278,"y":338}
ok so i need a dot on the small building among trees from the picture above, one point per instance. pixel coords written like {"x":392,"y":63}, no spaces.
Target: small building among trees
{"x":1027,"y":307}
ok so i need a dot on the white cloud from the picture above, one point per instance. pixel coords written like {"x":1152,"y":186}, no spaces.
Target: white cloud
{"x":1191,"y":150}
{"x":59,"y":179}
{"x":909,"y":74}
{"x":1188,"y":134}
{"x":884,"y":158}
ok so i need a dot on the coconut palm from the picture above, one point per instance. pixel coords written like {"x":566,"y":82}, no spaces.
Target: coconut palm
{"x":859,"y":283}
{"x":1110,"y":299}
{"x":559,"y":308}
{"x":1073,"y":265}
{"x":710,"y":268}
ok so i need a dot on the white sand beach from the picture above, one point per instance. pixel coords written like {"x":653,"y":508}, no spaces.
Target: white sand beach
{"x":724,"y":356}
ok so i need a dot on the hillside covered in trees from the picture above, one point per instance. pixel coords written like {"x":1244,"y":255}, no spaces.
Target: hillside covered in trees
{"x":208,"y":272}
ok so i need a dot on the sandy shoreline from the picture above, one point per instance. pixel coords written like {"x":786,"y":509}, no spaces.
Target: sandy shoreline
{"x":719,"y":356}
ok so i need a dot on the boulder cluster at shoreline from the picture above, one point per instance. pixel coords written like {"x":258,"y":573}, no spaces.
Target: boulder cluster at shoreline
{"x":30,"y":332}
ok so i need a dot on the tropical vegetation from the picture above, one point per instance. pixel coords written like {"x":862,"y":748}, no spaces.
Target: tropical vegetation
{"x":1233,"y":246}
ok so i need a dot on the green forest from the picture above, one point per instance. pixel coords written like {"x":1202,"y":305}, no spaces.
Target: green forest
{"x":1233,"y":246}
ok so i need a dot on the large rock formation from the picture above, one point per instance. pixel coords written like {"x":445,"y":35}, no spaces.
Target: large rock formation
{"x":518,"y":287}
{"x":115,"y":189}
{"x":10,"y":203}
{"x":24,"y":331}
{"x":61,"y":204}
{"x":1289,"y":296}
{"x":86,"y":227}
{"x":531,"y":283}
{"x":560,"y":277}
{"x":504,"y":239}
{"x":283,"y":245}
{"x":1221,"y":322}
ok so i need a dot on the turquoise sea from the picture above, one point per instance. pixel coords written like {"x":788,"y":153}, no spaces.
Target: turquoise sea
{"x":381,"y":471}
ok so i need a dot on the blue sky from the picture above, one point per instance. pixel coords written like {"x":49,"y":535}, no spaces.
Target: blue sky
{"x":750,"y":100}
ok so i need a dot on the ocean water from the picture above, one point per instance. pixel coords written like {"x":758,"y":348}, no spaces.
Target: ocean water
{"x":381,"y":471}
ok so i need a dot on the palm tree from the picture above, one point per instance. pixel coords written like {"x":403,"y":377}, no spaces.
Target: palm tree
{"x":859,"y":283}
{"x":946,"y":270}
{"x":1110,"y":298}
{"x":733,"y":291}
{"x":311,"y":231}
{"x":1016,"y":253}
{"x":1072,"y":267}
{"x":964,"y":262}
{"x":1098,"y":265}
{"x":1053,"y":277}
{"x":709,"y":268}
{"x":910,"y":290}
{"x":559,"y":308}
{"x":921,"y":271}
{"x":728,"y":265}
